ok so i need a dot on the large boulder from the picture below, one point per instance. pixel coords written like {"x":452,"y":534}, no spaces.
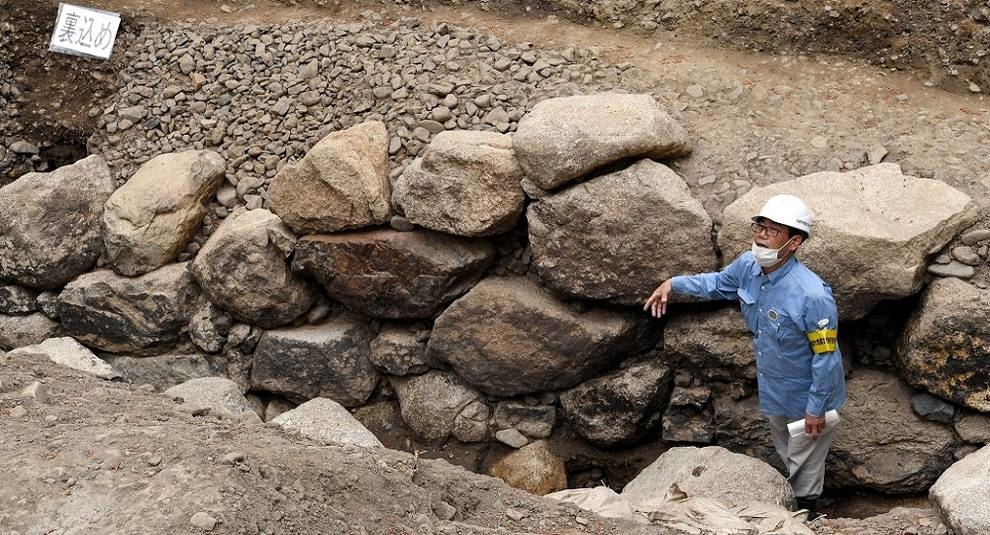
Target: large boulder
{"x":149,"y":220}
{"x":341,"y":183}
{"x":533,"y":468}
{"x":465,"y":183}
{"x":142,"y":315}
{"x":619,"y":235}
{"x":945,"y":347}
{"x":71,"y":354}
{"x":715,"y":344}
{"x":390,"y":274}
{"x":712,"y":472}
{"x":17,"y":331}
{"x":244,"y":269}
{"x":881,"y":443}
{"x":164,"y":371}
{"x":565,"y":138}
{"x":215,"y":393}
{"x":50,"y":223}
{"x":962,"y":494}
{"x":876,"y":209}
{"x":435,"y":404}
{"x":329,"y":360}
{"x":621,"y":406}
{"x":326,"y":422}
{"x":508,"y":336}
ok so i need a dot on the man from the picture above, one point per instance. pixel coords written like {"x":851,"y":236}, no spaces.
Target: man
{"x":793,"y":318}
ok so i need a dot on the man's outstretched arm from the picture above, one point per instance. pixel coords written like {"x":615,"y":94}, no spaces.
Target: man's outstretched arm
{"x":719,"y":285}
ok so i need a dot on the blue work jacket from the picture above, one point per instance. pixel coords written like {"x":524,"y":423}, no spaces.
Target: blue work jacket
{"x":782,"y":309}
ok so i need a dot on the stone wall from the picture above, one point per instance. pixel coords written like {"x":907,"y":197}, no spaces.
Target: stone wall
{"x":467,"y":248}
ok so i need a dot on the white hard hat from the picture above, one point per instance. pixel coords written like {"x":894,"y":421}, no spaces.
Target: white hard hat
{"x":787,"y":210}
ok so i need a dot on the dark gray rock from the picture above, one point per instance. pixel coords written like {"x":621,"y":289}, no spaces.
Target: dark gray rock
{"x":933,"y":408}
{"x":143,"y":315}
{"x":329,"y":360}
{"x":621,"y":406}
{"x":16,"y":300}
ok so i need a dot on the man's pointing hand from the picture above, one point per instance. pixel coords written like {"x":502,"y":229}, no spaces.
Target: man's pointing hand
{"x":657,"y":303}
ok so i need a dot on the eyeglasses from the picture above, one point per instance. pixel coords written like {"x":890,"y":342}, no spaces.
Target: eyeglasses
{"x":760,"y":227}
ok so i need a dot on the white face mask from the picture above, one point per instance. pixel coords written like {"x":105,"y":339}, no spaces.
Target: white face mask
{"x":767,"y":257}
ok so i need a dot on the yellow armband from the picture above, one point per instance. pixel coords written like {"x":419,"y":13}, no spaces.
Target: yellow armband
{"x":823,"y":340}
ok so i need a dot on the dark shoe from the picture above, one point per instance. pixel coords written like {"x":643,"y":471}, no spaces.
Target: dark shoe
{"x":811,"y":504}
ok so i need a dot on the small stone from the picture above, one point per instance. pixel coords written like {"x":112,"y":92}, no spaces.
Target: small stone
{"x":973,"y":88}
{"x":18,"y":412}
{"x":23,"y":147}
{"x":967,"y":255}
{"x":203,"y":521}
{"x":695,"y":91}
{"x":511,"y":438}
{"x":706,"y":180}
{"x":943,"y":259}
{"x":975,"y":236}
{"x":581,"y":520}
{"x":36,"y":391}
{"x":225,"y":8}
{"x":819,"y":142}
{"x":876,"y":154}
{"x":233,"y":457}
{"x":309,"y":70}
{"x":952,"y":269}
{"x":401,"y":224}
{"x":515,"y":514}
{"x":440,"y":114}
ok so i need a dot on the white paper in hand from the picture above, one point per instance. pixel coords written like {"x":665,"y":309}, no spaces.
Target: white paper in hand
{"x":796,"y":428}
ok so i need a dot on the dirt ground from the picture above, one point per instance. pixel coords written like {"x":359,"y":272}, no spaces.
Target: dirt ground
{"x":99,"y":457}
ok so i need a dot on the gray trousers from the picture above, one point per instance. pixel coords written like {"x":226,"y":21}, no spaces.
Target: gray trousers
{"x":803,"y":457}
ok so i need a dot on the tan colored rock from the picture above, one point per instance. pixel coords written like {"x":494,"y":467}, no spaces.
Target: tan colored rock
{"x":149,"y":220}
{"x":874,"y":230}
{"x":244,"y":269}
{"x":464,"y":183}
{"x":326,"y":422}
{"x":50,"y":223}
{"x":962,"y":494}
{"x":945,"y":346}
{"x":565,"y":138}
{"x":617,"y":236}
{"x":713,"y":472}
{"x":533,"y":468}
{"x":341,"y":183}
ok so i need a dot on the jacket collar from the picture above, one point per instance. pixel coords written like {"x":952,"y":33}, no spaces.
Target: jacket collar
{"x":780,"y":272}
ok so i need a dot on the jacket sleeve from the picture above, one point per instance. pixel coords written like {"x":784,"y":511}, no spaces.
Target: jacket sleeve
{"x":719,"y":285}
{"x":821,"y":323}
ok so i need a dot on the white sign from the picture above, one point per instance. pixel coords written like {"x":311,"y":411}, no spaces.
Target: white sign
{"x":84,"y":31}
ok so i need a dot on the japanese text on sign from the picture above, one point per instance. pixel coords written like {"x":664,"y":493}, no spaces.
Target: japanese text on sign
{"x":84,"y":31}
